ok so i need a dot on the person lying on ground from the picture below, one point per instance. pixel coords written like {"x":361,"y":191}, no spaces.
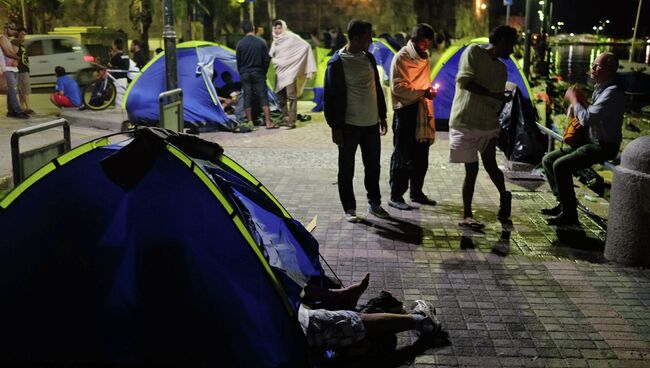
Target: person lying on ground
{"x":340,"y":328}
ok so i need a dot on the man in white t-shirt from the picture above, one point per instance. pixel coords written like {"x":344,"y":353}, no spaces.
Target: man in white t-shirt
{"x":355,"y":109}
{"x":11,"y":72}
{"x":473,"y":123}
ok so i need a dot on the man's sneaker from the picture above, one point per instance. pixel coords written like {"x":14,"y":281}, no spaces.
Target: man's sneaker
{"x":377,"y":210}
{"x":431,"y":324}
{"x":423,"y":199}
{"x":553,"y":211}
{"x":400,"y":205}
{"x":351,"y":216}
{"x":21,"y":115}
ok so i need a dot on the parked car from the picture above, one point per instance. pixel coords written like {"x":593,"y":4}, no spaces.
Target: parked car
{"x":48,"y":51}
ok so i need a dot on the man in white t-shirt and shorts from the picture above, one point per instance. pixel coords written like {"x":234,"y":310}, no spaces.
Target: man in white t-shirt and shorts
{"x":473,"y":124}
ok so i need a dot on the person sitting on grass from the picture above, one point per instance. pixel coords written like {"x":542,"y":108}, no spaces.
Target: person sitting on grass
{"x":67,"y":92}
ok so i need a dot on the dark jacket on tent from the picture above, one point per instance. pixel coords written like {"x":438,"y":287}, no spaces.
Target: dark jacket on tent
{"x":336,"y":97}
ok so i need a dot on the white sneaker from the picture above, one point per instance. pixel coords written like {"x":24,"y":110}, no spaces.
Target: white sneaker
{"x":351,"y":216}
{"x":431,"y":324}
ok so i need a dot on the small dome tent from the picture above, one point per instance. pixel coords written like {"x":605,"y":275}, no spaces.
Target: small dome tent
{"x":152,"y":250}
{"x":197,"y":62}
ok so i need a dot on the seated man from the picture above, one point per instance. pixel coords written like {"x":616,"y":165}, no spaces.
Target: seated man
{"x":603,"y":119}
{"x":331,"y":329}
{"x":229,"y":92}
{"x":67,"y":90}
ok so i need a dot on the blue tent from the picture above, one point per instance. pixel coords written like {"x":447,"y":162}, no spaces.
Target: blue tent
{"x":383,"y":54}
{"x":444,"y":75}
{"x":197,"y":62}
{"x":152,"y":250}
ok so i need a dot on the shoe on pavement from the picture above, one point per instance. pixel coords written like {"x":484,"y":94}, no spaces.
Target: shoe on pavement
{"x":431,"y":324}
{"x":423,"y":199}
{"x":553,"y":211}
{"x":505,"y":206}
{"x":564,"y":219}
{"x":351,"y":216}
{"x":21,"y":115}
{"x":400,"y":205}
{"x":378,"y":211}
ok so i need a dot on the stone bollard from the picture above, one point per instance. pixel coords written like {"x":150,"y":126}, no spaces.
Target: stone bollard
{"x":628,"y":220}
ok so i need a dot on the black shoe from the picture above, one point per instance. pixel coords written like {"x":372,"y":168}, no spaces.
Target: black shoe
{"x":21,"y":115}
{"x":564,"y":219}
{"x":554,"y":211}
{"x":505,"y":206}
{"x":423,"y":199}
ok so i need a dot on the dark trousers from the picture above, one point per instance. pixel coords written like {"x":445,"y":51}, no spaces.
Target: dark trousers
{"x":368,"y":139}
{"x":561,"y":164}
{"x":410,"y":159}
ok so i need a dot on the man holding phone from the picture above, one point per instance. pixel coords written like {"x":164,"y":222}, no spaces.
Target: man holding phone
{"x":473,"y":123}
{"x":413,"y":124}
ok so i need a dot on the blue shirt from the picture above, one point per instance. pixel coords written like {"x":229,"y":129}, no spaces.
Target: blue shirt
{"x":70,"y":88}
{"x":604,"y":117}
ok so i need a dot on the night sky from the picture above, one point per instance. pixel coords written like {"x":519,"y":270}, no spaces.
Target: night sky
{"x":580,"y":16}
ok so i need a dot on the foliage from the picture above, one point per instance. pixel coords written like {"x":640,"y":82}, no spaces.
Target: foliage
{"x":41,"y":14}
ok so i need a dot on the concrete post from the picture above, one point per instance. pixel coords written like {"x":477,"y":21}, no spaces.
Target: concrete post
{"x":628,"y":220}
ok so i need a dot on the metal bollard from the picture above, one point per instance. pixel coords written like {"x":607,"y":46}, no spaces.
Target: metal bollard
{"x":628,"y":220}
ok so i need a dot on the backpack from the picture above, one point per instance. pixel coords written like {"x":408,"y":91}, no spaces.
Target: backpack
{"x":575,"y":134}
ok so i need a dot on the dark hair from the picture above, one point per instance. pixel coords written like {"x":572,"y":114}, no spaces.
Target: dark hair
{"x":503,"y":33}
{"x":59,"y":71}
{"x":358,"y":27}
{"x":247,"y":26}
{"x":278,"y":22}
{"x":422,"y":31}
{"x":119,"y":43}
{"x":159,"y":50}
{"x":136,"y":43}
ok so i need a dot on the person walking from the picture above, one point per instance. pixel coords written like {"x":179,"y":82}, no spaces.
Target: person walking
{"x":414,"y":128}
{"x":294,"y":63}
{"x":24,"y":87}
{"x":253,"y":59}
{"x":603,"y":120}
{"x":356,"y":111}
{"x":11,"y":72}
{"x":473,"y":122}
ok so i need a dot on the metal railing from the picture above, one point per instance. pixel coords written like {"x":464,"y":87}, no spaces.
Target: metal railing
{"x":26,"y":162}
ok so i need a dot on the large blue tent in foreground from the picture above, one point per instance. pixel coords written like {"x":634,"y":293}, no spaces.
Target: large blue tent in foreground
{"x":152,"y":250}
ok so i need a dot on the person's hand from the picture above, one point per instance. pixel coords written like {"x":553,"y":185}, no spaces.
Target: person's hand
{"x":429,"y":93}
{"x":383,"y":127}
{"x":337,"y":137}
{"x":571,"y":95}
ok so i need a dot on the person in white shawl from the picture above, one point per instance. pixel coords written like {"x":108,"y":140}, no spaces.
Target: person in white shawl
{"x":294,"y":63}
{"x":413,"y":124}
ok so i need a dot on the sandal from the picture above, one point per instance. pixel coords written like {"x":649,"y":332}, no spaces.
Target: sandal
{"x":470,"y":223}
{"x":272,"y":126}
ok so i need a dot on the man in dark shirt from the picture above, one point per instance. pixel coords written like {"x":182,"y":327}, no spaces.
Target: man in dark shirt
{"x":140,"y":57}
{"x":24,"y":88}
{"x":252,"y":63}
{"x":118,"y":59}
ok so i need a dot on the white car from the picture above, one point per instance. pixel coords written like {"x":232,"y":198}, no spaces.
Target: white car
{"x":48,"y":51}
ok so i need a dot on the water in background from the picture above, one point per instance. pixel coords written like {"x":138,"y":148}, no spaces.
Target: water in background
{"x":573,"y":62}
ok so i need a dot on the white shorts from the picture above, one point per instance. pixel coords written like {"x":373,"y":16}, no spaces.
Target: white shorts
{"x":465,"y":144}
{"x":331,"y":329}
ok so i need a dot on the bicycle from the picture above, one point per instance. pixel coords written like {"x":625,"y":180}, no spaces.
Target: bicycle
{"x":101,"y":93}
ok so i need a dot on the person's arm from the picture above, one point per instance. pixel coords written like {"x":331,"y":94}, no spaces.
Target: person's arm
{"x":402,"y":85}
{"x":588,"y":114}
{"x":465,"y":77}
{"x":7,"y":49}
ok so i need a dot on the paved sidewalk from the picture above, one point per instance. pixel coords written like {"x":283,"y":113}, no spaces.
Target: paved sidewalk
{"x":542,"y":303}
{"x":546,"y":303}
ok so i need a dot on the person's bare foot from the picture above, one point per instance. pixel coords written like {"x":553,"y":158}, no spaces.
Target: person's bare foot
{"x":349,"y":297}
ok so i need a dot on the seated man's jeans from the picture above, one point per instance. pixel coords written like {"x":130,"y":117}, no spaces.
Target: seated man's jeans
{"x":561,"y":164}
